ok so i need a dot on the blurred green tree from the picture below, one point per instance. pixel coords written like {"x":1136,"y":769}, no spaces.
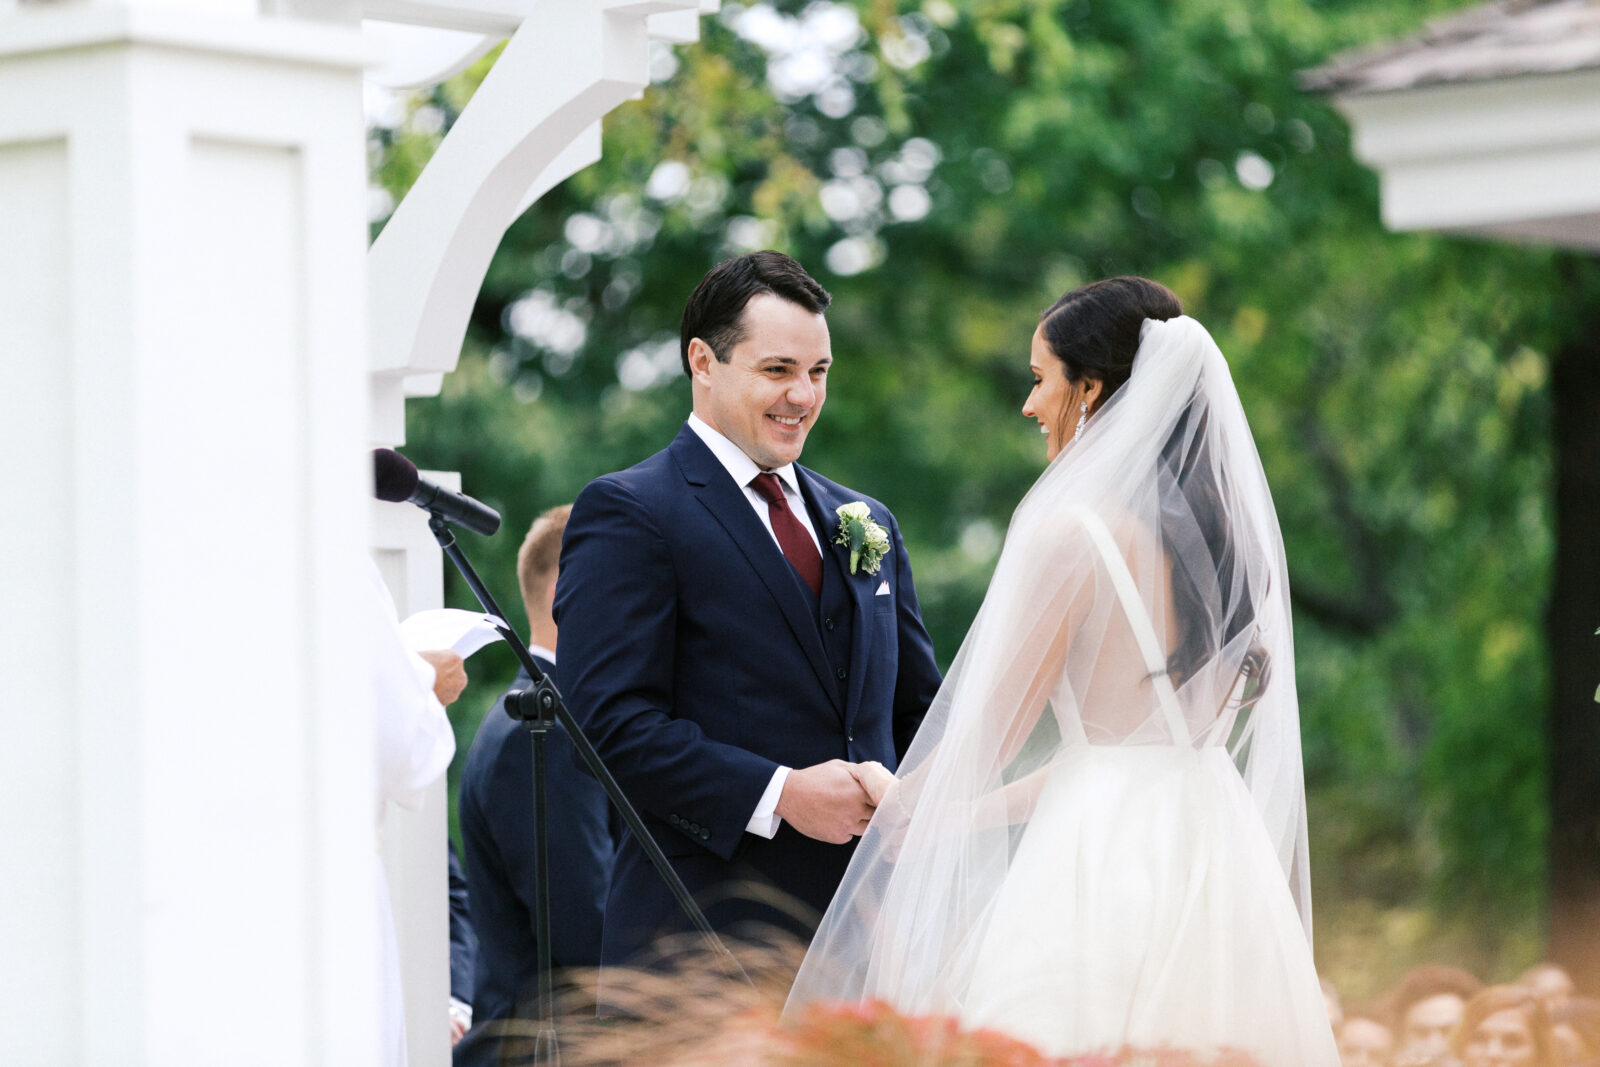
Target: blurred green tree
{"x":947,"y":170}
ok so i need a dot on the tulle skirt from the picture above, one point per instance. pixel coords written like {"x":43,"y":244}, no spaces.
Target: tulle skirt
{"x":1144,"y":906}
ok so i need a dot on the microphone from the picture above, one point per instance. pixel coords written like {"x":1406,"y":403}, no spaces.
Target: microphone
{"x":396,"y":480}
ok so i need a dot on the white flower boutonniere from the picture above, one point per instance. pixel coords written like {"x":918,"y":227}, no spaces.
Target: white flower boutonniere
{"x":866,"y":540}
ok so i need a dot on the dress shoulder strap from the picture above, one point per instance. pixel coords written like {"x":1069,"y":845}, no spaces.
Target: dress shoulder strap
{"x":1144,"y":631}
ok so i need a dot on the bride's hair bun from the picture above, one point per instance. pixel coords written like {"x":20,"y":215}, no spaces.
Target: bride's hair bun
{"x":1095,"y":329}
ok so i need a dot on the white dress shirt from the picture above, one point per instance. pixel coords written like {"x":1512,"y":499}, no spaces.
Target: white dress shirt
{"x":743,"y":469}
{"x":764,"y":821}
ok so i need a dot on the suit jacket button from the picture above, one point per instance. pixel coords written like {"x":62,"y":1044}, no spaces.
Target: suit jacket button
{"x":827,"y":624}
{"x":843,"y":674}
{"x":674,"y":820}
{"x":705,"y":835}
{"x":850,"y":737}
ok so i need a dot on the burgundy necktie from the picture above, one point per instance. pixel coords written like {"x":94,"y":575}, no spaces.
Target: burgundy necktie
{"x":798,"y":548}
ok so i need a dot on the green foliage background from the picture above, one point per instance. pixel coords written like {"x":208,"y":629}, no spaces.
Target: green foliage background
{"x":1396,"y":384}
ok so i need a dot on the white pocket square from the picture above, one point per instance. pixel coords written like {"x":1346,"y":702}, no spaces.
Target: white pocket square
{"x":883,"y":590}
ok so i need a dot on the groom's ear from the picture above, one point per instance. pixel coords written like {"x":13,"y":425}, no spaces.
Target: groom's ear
{"x":700,"y":357}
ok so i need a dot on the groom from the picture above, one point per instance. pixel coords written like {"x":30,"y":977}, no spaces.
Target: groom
{"x":717,"y":647}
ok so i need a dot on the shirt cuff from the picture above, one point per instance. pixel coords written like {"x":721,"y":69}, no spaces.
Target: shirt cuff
{"x":765,"y":821}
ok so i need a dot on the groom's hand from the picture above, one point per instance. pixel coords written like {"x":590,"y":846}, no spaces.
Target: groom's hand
{"x":825,"y":802}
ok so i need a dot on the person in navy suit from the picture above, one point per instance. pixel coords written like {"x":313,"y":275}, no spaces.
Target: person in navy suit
{"x":726,"y":659}
{"x":463,"y":947}
{"x":496,"y":812}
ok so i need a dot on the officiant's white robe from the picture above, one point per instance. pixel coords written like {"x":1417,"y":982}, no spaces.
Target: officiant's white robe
{"x":414,"y":745}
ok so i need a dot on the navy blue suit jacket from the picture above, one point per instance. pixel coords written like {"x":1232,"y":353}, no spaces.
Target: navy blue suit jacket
{"x":463,"y":942}
{"x":496,"y":813}
{"x":698,"y":662}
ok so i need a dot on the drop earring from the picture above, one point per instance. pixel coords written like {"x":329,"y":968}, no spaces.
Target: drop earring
{"x":1083,"y":417}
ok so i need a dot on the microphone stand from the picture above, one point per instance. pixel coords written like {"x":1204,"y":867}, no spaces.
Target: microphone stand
{"x":539,"y":709}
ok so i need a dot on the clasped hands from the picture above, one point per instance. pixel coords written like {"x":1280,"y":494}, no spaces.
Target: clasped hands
{"x":833,"y":801}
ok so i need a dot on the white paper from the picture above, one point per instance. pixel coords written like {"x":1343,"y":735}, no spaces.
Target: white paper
{"x":462,"y":632}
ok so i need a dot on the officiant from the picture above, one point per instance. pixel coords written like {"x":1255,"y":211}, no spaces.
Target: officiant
{"x":414,"y":744}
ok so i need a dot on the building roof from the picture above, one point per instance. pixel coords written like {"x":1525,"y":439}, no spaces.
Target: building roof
{"x":1506,"y":38}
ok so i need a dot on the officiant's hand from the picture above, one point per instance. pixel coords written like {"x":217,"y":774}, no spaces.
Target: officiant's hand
{"x":449,"y":674}
{"x":825,"y":802}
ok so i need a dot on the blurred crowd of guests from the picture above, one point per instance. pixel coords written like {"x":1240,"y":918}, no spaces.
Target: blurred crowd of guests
{"x":1439,"y":1016}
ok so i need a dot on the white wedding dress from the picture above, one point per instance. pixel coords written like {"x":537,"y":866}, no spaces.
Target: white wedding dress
{"x":1144,"y":904}
{"x":1097,"y":838}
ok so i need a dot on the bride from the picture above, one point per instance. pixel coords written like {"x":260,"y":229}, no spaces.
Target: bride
{"x":1098,"y":837}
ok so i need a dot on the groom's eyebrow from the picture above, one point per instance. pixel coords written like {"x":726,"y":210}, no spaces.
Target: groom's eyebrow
{"x":790,"y":361}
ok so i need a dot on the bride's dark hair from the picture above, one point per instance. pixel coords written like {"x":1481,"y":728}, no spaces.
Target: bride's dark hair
{"x":1220,"y":586}
{"x":1094,"y":331}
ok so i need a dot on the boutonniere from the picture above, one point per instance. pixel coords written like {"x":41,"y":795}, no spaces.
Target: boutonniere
{"x":866,"y":540}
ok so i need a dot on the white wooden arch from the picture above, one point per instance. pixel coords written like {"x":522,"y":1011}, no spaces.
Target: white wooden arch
{"x":533,"y":122}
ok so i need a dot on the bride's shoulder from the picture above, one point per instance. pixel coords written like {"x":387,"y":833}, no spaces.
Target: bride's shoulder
{"x":1083,"y":532}
{"x":1067,"y":521}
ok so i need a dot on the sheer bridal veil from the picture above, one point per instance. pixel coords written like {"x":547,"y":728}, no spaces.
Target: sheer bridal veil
{"x":1140,"y":599}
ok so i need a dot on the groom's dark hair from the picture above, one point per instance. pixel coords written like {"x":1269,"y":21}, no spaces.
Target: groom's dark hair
{"x":715,"y":311}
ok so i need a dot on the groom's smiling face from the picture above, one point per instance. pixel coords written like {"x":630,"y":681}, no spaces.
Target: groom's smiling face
{"x":768,"y":394}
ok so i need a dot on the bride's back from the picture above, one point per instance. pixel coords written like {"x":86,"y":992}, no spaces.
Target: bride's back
{"x":1108,"y":693}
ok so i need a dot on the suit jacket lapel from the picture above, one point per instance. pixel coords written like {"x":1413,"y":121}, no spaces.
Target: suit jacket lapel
{"x":728,"y":505}
{"x":860,"y":585}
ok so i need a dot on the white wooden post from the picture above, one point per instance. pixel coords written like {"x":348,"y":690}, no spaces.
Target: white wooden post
{"x":186,"y":788}
{"x":186,"y":779}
